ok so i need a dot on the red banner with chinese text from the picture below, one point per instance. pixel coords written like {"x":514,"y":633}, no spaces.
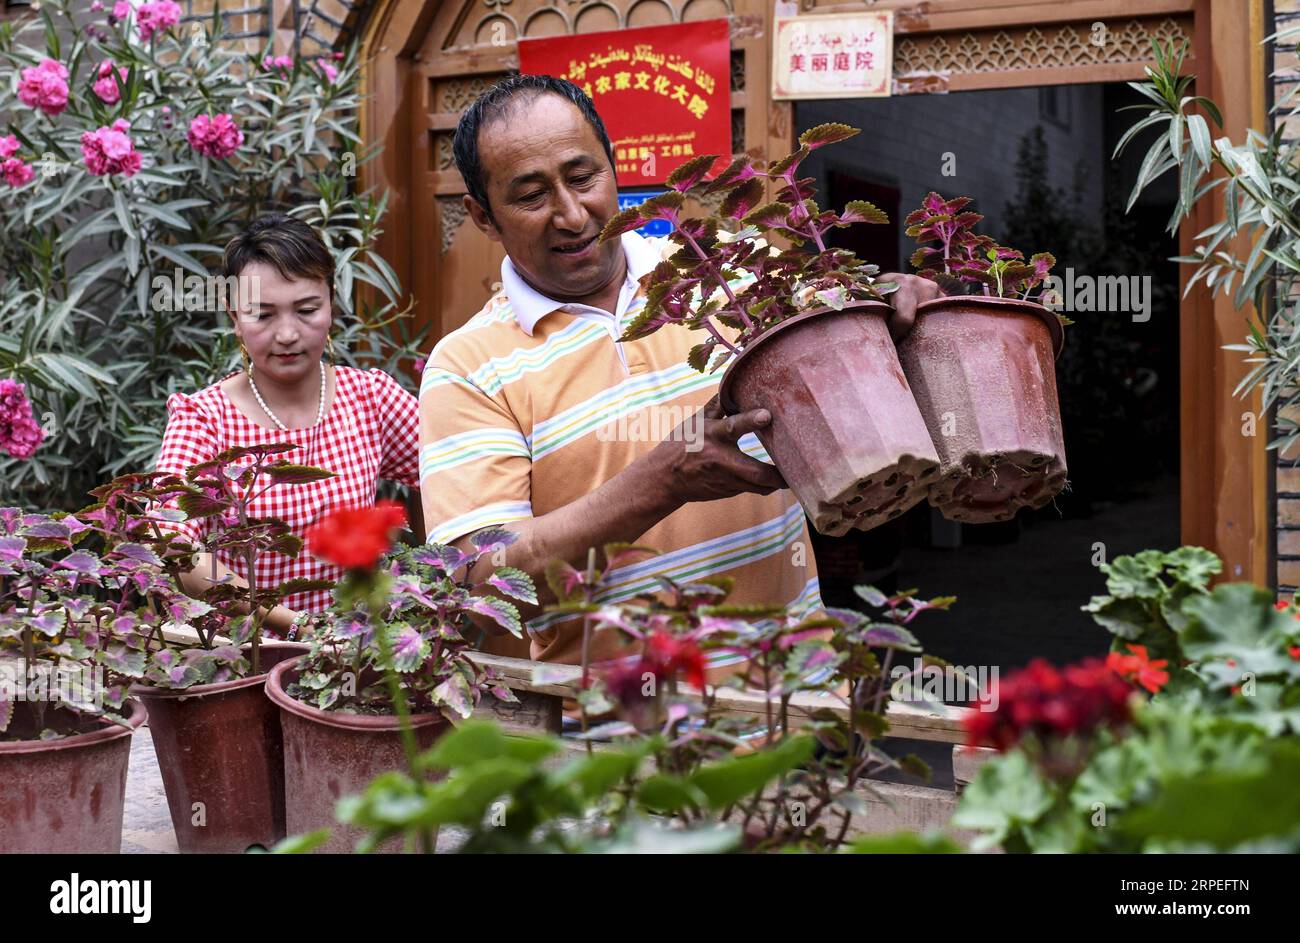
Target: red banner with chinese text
{"x":664,"y":92}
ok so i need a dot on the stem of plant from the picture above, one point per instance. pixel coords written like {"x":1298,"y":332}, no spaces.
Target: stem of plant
{"x":722,"y":282}
{"x":586,"y":642}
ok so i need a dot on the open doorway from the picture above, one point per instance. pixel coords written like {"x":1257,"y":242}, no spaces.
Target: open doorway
{"x":1037,"y":163}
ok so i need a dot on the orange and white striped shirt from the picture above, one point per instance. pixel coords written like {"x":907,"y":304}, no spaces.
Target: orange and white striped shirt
{"x":533,"y":404}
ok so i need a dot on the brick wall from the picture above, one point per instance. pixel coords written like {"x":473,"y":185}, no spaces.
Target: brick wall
{"x":1286,"y":67}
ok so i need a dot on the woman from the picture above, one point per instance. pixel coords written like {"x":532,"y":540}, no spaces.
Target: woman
{"x":361,"y":425}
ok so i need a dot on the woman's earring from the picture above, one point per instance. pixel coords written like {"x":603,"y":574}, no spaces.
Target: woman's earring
{"x":243,"y":355}
{"x":329,"y":347}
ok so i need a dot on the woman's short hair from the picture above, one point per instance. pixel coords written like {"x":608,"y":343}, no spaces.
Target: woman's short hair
{"x":294,"y":248}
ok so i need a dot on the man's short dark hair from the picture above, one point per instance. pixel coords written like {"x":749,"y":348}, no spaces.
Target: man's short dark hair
{"x":493,"y":104}
{"x":293,"y":247}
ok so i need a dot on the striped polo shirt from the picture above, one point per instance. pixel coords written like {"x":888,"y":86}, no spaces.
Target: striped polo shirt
{"x":532,"y":404}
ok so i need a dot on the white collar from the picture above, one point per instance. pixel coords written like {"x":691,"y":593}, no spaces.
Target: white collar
{"x":530,"y":305}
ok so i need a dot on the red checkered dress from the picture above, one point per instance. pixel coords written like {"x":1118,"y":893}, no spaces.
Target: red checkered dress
{"x":370,"y":432}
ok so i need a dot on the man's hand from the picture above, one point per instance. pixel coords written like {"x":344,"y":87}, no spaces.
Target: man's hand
{"x":912,"y":290}
{"x":700,"y":460}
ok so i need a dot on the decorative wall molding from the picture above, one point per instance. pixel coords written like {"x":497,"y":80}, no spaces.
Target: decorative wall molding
{"x":451,"y":213}
{"x":1047,"y":47}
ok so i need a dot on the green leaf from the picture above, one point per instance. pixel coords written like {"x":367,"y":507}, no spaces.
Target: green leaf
{"x":597,"y":774}
{"x":478,"y":741}
{"x":1007,"y":794}
{"x":301,"y":844}
{"x":665,"y":794}
{"x":904,"y":843}
{"x":728,"y":781}
{"x":1225,"y":807}
{"x":183,"y":259}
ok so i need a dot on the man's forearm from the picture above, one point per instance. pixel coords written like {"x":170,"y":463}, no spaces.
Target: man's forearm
{"x":620,"y":510}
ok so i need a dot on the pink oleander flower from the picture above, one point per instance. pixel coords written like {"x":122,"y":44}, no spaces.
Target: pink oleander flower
{"x":327,"y":70}
{"x":110,"y":150}
{"x":121,"y":10}
{"x":8,"y":147}
{"x":277,"y":63}
{"x":96,"y":6}
{"x":15,"y":172}
{"x":19,"y":433}
{"x":157,"y":17}
{"x":45,"y":86}
{"x":217,"y":136}
{"x":105,"y":86}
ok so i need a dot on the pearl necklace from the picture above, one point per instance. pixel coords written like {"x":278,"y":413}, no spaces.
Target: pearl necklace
{"x":320,"y":409}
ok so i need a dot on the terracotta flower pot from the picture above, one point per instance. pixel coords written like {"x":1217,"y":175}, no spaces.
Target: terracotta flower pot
{"x":222,"y":759}
{"x":329,"y":755}
{"x":845,"y":433}
{"x":66,"y":796}
{"x":982,"y":371}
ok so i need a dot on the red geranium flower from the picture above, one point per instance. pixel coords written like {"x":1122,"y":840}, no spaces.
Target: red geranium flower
{"x":1138,"y":668}
{"x":355,"y":538}
{"x":1049,"y":703}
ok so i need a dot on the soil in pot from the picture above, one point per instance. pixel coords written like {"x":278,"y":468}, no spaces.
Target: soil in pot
{"x":330,"y":754}
{"x":222,"y":759}
{"x":983,"y":374}
{"x":65,"y":795}
{"x":846,"y":433}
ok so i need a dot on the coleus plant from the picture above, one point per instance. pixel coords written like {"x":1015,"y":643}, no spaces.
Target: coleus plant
{"x":411,"y":614}
{"x":957,"y":258}
{"x":723,"y":279}
{"x":781,"y":791}
{"x":61,"y":624}
{"x":225,"y":619}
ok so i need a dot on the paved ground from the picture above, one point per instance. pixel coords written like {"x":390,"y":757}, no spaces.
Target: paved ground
{"x":147,"y":825}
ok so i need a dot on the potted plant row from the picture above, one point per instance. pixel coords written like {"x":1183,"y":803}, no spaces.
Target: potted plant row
{"x":677,"y":771}
{"x":65,"y":662}
{"x":388,"y":670}
{"x":861,"y":430}
{"x":202,"y":666}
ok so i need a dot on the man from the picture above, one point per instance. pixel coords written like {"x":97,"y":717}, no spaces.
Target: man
{"x":533,"y":414}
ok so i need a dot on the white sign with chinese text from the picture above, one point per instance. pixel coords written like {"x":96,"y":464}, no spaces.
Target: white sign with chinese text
{"x":833,"y":55}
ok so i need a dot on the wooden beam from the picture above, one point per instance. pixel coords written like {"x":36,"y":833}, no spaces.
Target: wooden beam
{"x":905,"y":720}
